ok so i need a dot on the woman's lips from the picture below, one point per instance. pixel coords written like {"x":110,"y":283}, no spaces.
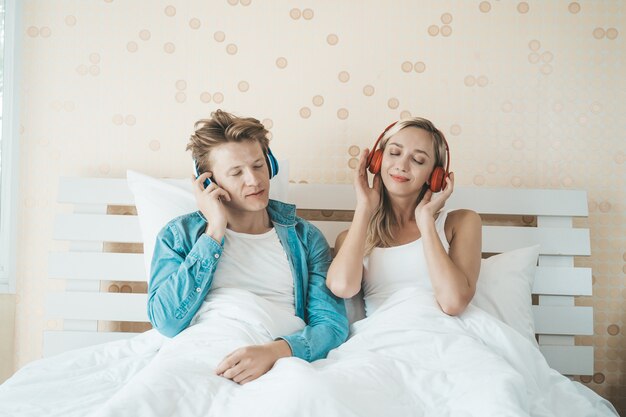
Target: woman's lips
{"x":398,"y":178}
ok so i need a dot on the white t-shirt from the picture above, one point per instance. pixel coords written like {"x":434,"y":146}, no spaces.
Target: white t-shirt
{"x":259,"y":264}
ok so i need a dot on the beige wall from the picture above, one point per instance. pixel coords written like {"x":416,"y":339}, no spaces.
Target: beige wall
{"x":530,"y":94}
{"x":7,"y":335}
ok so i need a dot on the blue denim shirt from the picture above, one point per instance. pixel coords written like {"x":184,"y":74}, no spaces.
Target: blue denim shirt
{"x":185,"y":259}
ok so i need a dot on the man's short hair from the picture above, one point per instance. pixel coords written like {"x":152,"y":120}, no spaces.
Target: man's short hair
{"x":224,"y":127}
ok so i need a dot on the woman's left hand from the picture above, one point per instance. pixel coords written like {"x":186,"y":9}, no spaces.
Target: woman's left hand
{"x":429,"y":206}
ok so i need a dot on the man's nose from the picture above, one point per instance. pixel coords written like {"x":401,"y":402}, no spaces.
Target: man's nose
{"x":252,"y":177}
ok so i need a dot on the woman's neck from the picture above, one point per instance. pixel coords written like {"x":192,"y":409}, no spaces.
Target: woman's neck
{"x":404,"y":209}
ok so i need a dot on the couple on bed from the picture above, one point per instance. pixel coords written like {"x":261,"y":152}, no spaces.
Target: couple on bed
{"x":239,"y":239}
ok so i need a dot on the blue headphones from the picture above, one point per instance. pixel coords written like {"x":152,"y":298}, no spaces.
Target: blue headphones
{"x":272,"y":165}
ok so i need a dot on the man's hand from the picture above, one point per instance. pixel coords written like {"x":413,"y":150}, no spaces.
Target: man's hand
{"x":248,"y":363}
{"x":209,"y":202}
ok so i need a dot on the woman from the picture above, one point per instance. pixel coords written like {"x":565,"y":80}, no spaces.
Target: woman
{"x":400,"y":237}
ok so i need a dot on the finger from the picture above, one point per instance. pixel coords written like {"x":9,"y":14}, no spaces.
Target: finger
{"x":363,"y":161}
{"x":199,"y":182}
{"x":449,"y":185}
{"x":218,"y":192}
{"x":427,"y":196}
{"x":228,"y":362}
{"x":225,"y":194}
{"x":377,"y":183}
{"x":245,"y":374}
{"x":203,"y":177}
{"x":235,"y":371}
{"x":248,"y":379}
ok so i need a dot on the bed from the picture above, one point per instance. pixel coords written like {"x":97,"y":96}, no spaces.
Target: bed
{"x":99,"y":224}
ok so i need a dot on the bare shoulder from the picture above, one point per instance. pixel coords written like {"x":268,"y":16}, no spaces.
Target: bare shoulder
{"x":464,"y":221}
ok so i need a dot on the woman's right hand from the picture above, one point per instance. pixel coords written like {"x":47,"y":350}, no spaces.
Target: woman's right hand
{"x":367,"y":198}
{"x":210,"y":205}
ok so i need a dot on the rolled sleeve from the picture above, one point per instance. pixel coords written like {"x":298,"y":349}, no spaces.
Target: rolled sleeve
{"x":179,"y":282}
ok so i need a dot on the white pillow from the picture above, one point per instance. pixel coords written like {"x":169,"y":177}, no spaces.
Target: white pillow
{"x":160,"y":200}
{"x":504,"y":288}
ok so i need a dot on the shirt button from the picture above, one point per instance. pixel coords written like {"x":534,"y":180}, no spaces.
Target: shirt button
{"x":198,"y":289}
{"x":217,"y":255}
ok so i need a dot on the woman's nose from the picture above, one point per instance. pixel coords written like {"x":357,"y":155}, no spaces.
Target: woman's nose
{"x":403,"y":164}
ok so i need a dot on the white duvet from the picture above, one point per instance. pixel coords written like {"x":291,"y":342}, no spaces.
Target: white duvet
{"x":407,"y":359}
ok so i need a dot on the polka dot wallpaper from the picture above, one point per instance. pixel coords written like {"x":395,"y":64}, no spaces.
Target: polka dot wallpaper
{"x":529,"y":94}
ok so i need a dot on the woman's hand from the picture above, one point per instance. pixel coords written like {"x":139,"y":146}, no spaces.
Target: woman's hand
{"x":248,"y":363}
{"x":367,"y":198}
{"x":429,"y":206}
{"x":210,"y":204}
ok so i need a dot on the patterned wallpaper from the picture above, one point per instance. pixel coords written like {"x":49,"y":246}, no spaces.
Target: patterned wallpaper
{"x":529,"y":94}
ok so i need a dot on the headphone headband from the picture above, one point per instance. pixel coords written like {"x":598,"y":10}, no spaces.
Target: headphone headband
{"x":371,"y":153}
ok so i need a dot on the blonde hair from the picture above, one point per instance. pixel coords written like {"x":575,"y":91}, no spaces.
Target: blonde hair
{"x":380,"y":230}
{"x":221,"y":128}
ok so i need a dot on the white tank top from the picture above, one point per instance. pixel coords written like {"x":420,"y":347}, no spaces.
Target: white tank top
{"x":259,"y":264}
{"x":387,"y":270}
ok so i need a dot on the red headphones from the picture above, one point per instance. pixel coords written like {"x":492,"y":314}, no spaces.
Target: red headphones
{"x":437,"y":178}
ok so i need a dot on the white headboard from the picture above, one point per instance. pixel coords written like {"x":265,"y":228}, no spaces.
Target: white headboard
{"x":85,"y":265}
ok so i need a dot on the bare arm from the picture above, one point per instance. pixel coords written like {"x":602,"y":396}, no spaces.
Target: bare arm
{"x":454,"y":275}
{"x":346,"y":271}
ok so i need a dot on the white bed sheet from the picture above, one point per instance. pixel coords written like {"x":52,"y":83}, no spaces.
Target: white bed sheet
{"x":408,"y":359}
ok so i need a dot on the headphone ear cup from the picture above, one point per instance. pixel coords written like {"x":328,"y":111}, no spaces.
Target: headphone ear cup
{"x":438,"y":179}
{"x":272,"y":164}
{"x":375,"y":162}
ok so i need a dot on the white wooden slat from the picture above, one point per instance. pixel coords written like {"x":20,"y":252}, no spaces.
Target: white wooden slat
{"x":94,"y":227}
{"x":482,"y":200}
{"x":562,"y":281}
{"x":556,"y":261}
{"x":557,"y":300}
{"x":569,"y":360}
{"x":97,"y":266}
{"x":56,"y":342}
{"x":82,"y":286}
{"x":112,"y":191}
{"x":97,"y":306}
{"x":80,"y":325}
{"x":563,"y":320}
{"x":556,"y":340}
{"x":520,"y":201}
{"x":552,"y":241}
{"x":554,"y":221}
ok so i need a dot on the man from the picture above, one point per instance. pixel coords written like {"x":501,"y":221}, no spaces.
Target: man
{"x":240,"y":239}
